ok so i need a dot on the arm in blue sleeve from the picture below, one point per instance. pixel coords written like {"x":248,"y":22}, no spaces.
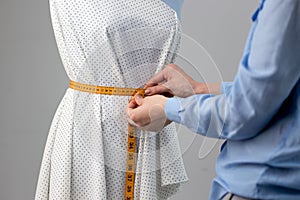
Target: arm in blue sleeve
{"x":225,"y":87}
{"x":269,"y":70}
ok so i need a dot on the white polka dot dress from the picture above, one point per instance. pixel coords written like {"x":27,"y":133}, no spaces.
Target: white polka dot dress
{"x":120,"y":43}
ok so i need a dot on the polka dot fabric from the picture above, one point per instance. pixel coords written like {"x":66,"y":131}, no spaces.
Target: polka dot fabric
{"x":120,"y":43}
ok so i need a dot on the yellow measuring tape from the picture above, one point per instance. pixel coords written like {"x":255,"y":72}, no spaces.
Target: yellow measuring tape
{"x":131,"y":143}
{"x":119,"y":91}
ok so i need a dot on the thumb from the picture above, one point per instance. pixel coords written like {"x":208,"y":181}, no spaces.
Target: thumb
{"x":139,"y":99}
{"x":158,"y":89}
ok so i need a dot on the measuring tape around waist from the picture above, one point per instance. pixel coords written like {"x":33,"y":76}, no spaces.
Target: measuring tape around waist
{"x":95,"y":89}
{"x":131,"y":142}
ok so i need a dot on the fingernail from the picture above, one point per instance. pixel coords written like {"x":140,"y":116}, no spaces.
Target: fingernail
{"x":138,"y":96}
{"x":147,"y":91}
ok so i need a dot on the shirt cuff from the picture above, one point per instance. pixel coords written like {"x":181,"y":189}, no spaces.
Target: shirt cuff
{"x":225,"y":87}
{"x":172,"y":109}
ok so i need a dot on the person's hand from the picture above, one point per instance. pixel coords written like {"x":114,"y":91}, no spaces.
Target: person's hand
{"x":175,"y":81}
{"x":148,"y":113}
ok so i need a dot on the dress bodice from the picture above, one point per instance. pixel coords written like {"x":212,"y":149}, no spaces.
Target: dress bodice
{"x":116,"y":43}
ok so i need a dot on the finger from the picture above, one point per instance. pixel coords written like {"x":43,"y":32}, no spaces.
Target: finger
{"x":154,"y":84}
{"x":157,"y":78}
{"x":138,"y":99}
{"x":137,"y":116}
{"x":132,"y":122}
{"x":147,"y":85}
{"x":132,"y":104}
{"x":159,"y":89}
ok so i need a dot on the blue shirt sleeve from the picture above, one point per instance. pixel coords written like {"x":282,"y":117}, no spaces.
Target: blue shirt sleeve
{"x":268,"y":71}
{"x":225,"y":87}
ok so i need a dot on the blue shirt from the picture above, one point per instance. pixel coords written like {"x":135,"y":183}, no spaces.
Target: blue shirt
{"x":258,"y":113}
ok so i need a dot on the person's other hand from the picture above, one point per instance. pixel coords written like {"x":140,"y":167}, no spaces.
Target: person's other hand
{"x":175,"y":81}
{"x":148,"y":113}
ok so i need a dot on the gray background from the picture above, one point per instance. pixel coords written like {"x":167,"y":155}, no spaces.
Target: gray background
{"x":32,"y":83}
